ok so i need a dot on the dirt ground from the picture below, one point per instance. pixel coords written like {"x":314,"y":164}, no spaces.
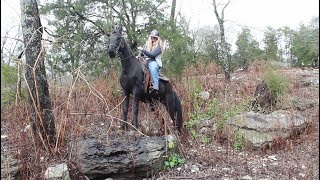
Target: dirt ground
{"x":292,"y":159}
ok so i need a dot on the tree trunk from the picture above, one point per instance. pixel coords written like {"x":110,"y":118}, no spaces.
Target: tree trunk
{"x":223,"y":47}
{"x":40,"y":104}
{"x":173,"y":10}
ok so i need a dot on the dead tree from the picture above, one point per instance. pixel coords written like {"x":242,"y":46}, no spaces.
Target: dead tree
{"x":225,"y":57}
{"x":173,"y":11}
{"x":42,"y":118}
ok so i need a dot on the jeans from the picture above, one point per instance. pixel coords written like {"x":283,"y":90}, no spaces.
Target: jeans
{"x":154,"y":71}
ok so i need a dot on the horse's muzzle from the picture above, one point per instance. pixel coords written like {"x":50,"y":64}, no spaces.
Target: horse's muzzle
{"x":112,"y":53}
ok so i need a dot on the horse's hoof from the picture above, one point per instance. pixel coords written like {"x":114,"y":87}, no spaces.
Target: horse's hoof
{"x":131,"y":133}
{"x":123,"y":127}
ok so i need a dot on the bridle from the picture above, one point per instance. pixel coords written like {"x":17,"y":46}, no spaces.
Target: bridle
{"x":121,"y":45}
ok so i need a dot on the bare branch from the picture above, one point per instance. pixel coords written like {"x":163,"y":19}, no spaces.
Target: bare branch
{"x":222,"y":12}
{"x":89,"y":20}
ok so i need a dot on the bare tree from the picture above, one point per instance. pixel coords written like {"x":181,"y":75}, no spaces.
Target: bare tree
{"x":224,"y":50}
{"x":40,"y":104}
{"x":173,"y":10}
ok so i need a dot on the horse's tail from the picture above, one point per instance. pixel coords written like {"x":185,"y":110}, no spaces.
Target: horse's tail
{"x":173,"y":105}
{"x":178,"y":112}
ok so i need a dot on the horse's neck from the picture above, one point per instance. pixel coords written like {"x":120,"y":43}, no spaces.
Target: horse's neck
{"x":126,"y":56}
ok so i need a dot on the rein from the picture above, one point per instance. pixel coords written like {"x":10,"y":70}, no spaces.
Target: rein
{"x":120,"y":45}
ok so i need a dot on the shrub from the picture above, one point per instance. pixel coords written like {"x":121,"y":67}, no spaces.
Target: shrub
{"x":8,"y":84}
{"x":174,"y":159}
{"x":277,"y":83}
{"x":239,"y":140}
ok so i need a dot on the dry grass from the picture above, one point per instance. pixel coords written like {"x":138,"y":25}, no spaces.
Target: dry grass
{"x":95,"y":108}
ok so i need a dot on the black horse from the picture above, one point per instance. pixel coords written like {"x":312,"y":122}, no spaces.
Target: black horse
{"x":133,"y":82}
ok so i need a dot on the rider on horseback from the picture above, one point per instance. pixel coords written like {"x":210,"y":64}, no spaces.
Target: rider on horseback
{"x":153,"y":50}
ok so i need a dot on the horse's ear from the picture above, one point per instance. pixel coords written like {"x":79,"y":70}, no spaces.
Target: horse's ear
{"x":115,"y":26}
{"x":134,"y":44}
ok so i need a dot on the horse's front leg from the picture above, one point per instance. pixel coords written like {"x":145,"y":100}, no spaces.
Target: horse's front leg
{"x":135,"y":110}
{"x":125,"y":109}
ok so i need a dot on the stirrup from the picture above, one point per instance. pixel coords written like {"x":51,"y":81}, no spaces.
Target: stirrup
{"x":154,"y":92}
{"x":151,"y":87}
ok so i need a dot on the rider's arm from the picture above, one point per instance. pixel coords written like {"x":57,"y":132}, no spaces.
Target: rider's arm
{"x":154,"y":53}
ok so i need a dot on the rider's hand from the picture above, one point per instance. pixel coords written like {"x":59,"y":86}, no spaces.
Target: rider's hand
{"x":140,"y":48}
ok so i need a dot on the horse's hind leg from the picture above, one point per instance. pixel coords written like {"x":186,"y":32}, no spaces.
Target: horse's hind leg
{"x":125,"y":110}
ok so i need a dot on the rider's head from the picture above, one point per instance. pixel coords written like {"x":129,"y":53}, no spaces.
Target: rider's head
{"x":155,"y":34}
{"x":154,"y":40}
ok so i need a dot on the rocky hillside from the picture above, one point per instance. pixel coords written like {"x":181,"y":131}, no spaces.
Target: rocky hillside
{"x":281,"y":144}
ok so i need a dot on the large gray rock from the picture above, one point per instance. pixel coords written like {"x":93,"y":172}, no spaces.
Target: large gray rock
{"x":259,"y":130}
{"x":57,"y":172}
{"x":309,"y":81}
{"x":303,"y":104}
{"x":308,"y":77}
{"x":121,"y":158}
{"x":9,"y":167}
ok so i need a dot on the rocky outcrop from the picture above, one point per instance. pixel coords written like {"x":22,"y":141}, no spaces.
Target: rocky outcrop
{"x":259,"y":130}
{"x":121,"y":158}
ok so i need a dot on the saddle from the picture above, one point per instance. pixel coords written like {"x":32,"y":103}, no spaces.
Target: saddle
{"x":148,"y":82}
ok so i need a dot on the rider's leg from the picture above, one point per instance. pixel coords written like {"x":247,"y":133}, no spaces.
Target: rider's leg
{"x":154,"y":71}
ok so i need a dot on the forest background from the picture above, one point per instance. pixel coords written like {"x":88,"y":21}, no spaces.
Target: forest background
{"x":75,"y":46}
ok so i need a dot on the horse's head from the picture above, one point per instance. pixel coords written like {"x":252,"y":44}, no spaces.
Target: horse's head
{"x":115,"y":42}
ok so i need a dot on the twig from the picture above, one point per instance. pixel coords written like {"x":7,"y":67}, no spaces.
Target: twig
{"x":108,"y":115}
